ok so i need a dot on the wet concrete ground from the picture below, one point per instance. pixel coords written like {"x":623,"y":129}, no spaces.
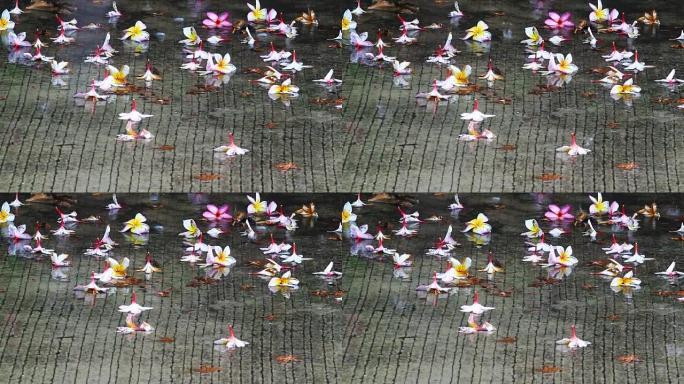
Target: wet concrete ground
{"x":380,"y":139}
{"x":380,"y":331}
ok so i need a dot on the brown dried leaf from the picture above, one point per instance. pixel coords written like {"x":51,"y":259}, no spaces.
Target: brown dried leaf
{"x":286,"y":166}
{"x":166,"y":339}
{"x":286,"y":359}
{"x":307,"y":210}
{"x":507,"y":147}
{"x":613,"y":317}
{"x":271,"y":125}
{"x":613,"y":125}
{"x":165,"y":147}
{"x":165,"y":293}
{"x":270,"y":317}
{"x":549,"y":177}
{"x":629,"y":166}
{"x":629,"y":359}
{"x":507,"y":340}
{"x":246,"y":287}
{"x":205,"y":368}
{"x":207,"y":177}
{"x":548,"y":369}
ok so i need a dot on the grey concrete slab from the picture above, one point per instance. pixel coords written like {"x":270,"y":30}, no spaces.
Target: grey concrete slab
{"x":380,"y":331}
{"x":381,"y":138}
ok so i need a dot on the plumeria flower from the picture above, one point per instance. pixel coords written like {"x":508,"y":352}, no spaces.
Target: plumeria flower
{"x":457,"y":270}
{"x":359,"y":233}
{"x":475,"y":307}
{"x":221,"y":64}
{"x":6,"y":216}
{"x":670,"y":79}
{"x":599,"y":206}
{"x":133,"y":135}
{"x":149,"y":76}
{"x":16,"y":203}
{"x":62,"y":39}
{"x":491,"y":75}
{"x":133,"y":308}
{"x":636,"y":65}
{"x":591,"y":40}
{"x":491,"y":267}
{"x":294,"y":65}
{"x":475,"y":115}
{"x":191,"y":229}
{"x":474,"y":327}
{"x":230,"y":342}
{"x":257,"y":206}
{"x":556,"y":21}
{"x":91,"y":287}
{"x":679,"y":231}
{"x":573,"y":341}
{"x":433,"y":95}
{"x":626,"y":281}
{"x":285,"y":88}
{"x":359,"y":41}
{"x":478,"y":225}
{"x":18,"y":233}
{"x":474,"y":134}
{"x":149,"y":267}
{"x":6,"y":23}
{"x":533,"y":229}
{"x":557,"y":40}
{"x":404,"y":38}
{"x":381,"y":249}
{"x":59,"y":67}
{"x":479,"y":32}
{"x":219,"y":257}
{"x":408,"y":25}
{"x":358,"y":203}
{"x":457,"y":77}
{"x":591,"y":232}
{"x":434,"y":287}
{"x":114,"y":12}
{"x":456,"y":12}
{"x":328,"y":273}
{"x":118,"y":75}
{"x":133,"y":115}
{"x":38,"y":56}
{"x":456,"y":204}
{"x":556,"y":213}
{"x":636,"y":257}
{"x":627,"y":88}
{"x":258,"y":14}
{"x":533,"y":36}
{"x":358,"y":11}
{"x":137,"y":32}
{"x":59,"y":261}
{"x":670,"y":272}
{"x":137,"y":225}
{"x":401,"y":261}
{"x":347,"y":216}
{"x":439,"y":57}
{"x":231,"y":149}
{"x":564,"y":64}
{"x":17,"y":40}
{"x":347,"y":23}
{"x":380,"y":57}
{"x":214,"y":213}
{"x":118,"y":268}
{"x":564,"y":257}
{"x":573,"y":149}
{"x":405,"y":231}
{"x":600,"y":14}
{"x":285,"y":280}
{"x":214,"y":20}
{"x":132,"y":327}
{"x":329,"y":80}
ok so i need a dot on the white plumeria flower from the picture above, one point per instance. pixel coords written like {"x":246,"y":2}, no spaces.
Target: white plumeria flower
{"x":285,"y":88}
{"x":474,"y":327}
{"x":475,"y":115}
{"x":358,"y":11}
{"x":328,"y":272}
{"x":6,"y":216}
{"x":231,"y":149}
{"x":191,"y":36}
{"x":573,"y":341}
{"x":329,"y":79}
{"x":628,"y":280}
{"x":133,"y":115}
{"x":475,"y":307}
{"x":285,"y":280}
{"x":133,"y":308}
{"x":132,"y":327}
{"x":670,"y":79}
{"x":59,"y":261}
{"x":230,"y":342}
{"x":91,"y":287}
{"x":191,"y":229}
{"x":478,"y":225}
{"x":636,"y":65}
{"x":347,"y":23}
{"x":6,"y":22}
{"x":533,"y":229}
{"x":573,"y":149}
{"x":670,"y":272}
{"x":627,"y":88}
{"x":534,"y":38}
{"x":478,"y":32}
{"x":137,"y":32}
{"x":402,"y":260}
{"x":600,"y":14}
{"x":456,"y":12}
{"x":434,"y":287}
{"x":137,"y":225}
{"x":258,"y":14}
{"x":114,"y":12}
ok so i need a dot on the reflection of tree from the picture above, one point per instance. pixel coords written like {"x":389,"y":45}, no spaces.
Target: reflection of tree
{"x":393,"y":6}
{"x":57,"y":6}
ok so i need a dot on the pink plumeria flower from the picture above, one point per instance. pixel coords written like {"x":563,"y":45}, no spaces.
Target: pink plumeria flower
{"x":214,"y":213}
{"x":556,"y":213}
{"x":573,"y":149}
{"x":217,"y":21}
{"x":556,"y":21}
{"x":573,"y":341}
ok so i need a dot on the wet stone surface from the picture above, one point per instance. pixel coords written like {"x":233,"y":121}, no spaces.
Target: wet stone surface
{"x":369,"y":326}
{"x":380,"y":139}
